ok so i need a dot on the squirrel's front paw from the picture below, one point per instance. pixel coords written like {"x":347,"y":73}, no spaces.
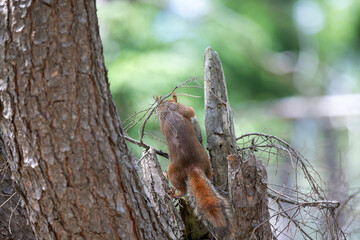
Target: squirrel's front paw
{"x":172,"y":193}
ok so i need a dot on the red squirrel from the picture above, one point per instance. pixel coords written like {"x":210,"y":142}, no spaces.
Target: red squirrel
{"x":190,"y":169}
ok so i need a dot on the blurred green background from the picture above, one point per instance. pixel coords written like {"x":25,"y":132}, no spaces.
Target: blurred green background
{"x":292,"y":70}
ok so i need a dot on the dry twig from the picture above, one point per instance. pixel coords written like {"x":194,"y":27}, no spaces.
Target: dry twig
{"x":140,"y":144}
{"x":12,"y":213}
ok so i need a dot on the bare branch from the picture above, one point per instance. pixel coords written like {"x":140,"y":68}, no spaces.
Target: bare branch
{"x":12,"y":213}
{"x":7,"y":200}
{"x":141,"y":144}
{"x":188,"y":95}
{"x":322,"y":204}
{"x":294,"y":221}
{"x":307,"y":212}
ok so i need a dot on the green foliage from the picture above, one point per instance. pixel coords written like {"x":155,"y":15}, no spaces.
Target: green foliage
{"x":150,"y":47}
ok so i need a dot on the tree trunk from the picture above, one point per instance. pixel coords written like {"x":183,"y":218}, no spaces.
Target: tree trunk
{"x":242,"y":181}
{"x":60,"y":128}
{"x":220,"y":132}
{"x":248,"y":196}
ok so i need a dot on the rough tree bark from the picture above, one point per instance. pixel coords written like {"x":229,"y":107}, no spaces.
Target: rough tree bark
{"x":248,"y":197}
{"x":61,"y":131}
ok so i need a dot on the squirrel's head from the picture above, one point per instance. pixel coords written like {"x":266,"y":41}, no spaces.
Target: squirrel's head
{"x":166,"y":104}
{"x":173,"y":99}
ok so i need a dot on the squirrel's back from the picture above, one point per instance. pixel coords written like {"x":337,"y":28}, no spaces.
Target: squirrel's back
{"x":182,"y":141}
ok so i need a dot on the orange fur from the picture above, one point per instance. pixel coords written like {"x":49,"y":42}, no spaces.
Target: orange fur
{"x":190,"y":168}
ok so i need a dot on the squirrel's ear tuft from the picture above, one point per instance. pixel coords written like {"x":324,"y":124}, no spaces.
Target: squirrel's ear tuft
{"x":174,"y":98}
{"x":156,"y":97}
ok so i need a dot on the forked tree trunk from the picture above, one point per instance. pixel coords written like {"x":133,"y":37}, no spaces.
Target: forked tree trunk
{"x":61,"y":131}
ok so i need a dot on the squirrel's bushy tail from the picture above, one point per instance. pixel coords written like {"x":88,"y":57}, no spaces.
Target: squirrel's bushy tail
{"x":208,"y":205}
